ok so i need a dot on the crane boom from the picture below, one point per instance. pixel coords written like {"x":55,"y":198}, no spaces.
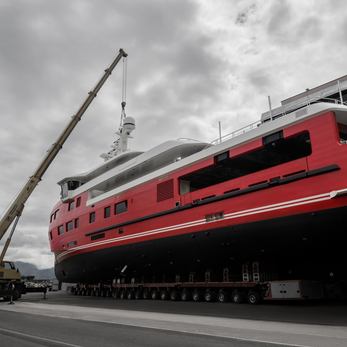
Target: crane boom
{"x":17,"y":205}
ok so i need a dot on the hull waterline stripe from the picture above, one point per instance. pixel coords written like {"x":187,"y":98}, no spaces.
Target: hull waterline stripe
{"x":239,"y":214}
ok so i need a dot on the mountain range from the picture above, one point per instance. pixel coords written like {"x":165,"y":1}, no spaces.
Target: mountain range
{"x":27,"y":269}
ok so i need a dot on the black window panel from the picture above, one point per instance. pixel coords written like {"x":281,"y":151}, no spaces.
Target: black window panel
{"x":78,"y":202}
{"x":50,"y":235}
{"x":121,"y":207}
{"x":342,"y":131}
{"x":77,"y":223}
{"x":69,"y":225}
{"x":71,"y":205}
{"x":220,"y":157}
{"x":60,"y":229}
{"x":55,"y":213}
{"x":107,"y":211}
{"x":71,"y":243}
{"x":97,"y":236}
{"x":72,"y":185}
{"x":269,"y":139}
{"x":92,"y":217}
{"x":274,"y":153}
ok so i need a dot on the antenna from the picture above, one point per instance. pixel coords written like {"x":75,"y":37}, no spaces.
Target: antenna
{"x":270,"y":108}
{"x":220,"y":131}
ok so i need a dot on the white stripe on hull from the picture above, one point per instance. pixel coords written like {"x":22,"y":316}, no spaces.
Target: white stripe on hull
{"x":239,"y":214}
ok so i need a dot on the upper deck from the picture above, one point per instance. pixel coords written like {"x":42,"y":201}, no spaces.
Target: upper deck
{"x":130,"y":169}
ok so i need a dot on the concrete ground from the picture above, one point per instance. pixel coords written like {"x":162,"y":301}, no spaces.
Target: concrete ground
{"x":65,"y":320}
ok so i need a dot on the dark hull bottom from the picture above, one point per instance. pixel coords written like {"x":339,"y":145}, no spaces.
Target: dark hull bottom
{"x":310,"y":246}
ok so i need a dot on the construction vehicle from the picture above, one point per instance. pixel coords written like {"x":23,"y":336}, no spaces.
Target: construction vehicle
{"x":10,"y":278}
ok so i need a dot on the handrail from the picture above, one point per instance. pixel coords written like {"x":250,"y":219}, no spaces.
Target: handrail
{"x":256,"y":124}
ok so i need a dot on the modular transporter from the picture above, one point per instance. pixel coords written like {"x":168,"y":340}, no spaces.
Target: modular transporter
{"x":259,"y":213}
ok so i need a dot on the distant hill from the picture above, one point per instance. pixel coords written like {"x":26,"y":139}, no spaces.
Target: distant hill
{"x":27,"y":269}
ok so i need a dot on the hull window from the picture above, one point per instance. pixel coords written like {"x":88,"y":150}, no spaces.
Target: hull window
{"x":78,"y":202}
{"x":97,"y":236}
{"x":69,"y":225}
{"x":60,"y":229}
{"x":71,"y":205}
{"x":121,"y":207}
{"x":76,"y":223}
{"x":276,"y":151}
{"x":92,"y":217}
{"x":107,"y":211}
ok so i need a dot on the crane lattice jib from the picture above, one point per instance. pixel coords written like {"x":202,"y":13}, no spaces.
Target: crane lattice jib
{"x":17,"y":206}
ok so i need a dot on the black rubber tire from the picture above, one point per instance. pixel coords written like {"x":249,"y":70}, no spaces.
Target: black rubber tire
{"x":154,"y":294}
{"x":208,"y":295}
{"x":122,"y":295}
{"x":146,"y":294}
{"x":196,"y":296}
{"x":138,"y":294}
{"x":253,"y":297}
{"x":185,"y":295}
{"x":173,"y":295}
{"x":222,"y":296}
{"x":164,"y":295}
{"x":237,"y":297}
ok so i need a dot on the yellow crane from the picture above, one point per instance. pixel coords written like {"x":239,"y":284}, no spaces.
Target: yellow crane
{"x":8,"y":272}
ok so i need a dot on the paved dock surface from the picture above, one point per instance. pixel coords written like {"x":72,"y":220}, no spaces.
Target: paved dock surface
{"x":66,"y":320}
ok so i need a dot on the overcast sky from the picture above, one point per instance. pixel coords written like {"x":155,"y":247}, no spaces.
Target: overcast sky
{"x":191,"y":64}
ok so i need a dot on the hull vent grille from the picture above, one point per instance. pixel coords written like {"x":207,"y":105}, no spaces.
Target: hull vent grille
{"x":165,"y":190}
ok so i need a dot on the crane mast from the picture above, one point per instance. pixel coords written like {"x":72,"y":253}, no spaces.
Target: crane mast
{"x":17,"y":206}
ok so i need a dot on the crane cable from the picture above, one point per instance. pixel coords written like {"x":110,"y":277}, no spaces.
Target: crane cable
{"x":124,"y":89}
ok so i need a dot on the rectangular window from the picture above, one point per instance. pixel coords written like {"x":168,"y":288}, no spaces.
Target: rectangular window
{"x":50,"y":235}
{"x":76,"y":223}
{"x":71,"y":205}
{"x":60,"y":229}
{"x":121,"y":207}
{"x":69,"y":225}
{"x":78,"y":202}
{"x":342,"y":132}
{"x":91,"y":217}
{"x":97,"y":236}
{"x":276,"y":151}
{"x":107,"y":211}
{"x":71,"y":243}
{"x":51,"y":219}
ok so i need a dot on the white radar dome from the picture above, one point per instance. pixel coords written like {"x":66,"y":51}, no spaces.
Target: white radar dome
{"x":129,"y":124}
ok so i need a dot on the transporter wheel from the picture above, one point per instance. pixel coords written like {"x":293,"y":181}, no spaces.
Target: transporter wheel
{"x":208,"y":295}
{"x":138,"y":294}
{"x":196,"y":295}
{"x":237,"y":297}
{"x":122,"y":294}
{"x":154,"y":294}
{"x":146,"y":294}
{"x":185,"y":295}
{"x":164,"y":295}
{"x":253,"y":297}
{"x":173,"y":295}
{"x":222,"y":296}
{"x":130,"y":295}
